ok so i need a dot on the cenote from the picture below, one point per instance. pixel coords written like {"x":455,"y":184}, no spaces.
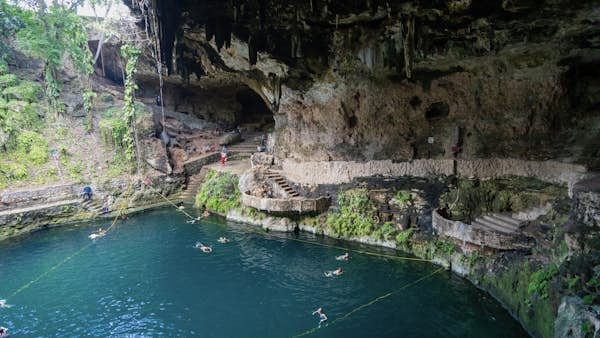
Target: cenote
{"x":146,"y":278}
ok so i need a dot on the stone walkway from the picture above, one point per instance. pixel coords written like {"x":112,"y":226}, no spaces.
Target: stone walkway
{"x":236,"y":167}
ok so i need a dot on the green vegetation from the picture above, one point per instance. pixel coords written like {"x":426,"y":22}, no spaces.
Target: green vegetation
{"x":50,"y":33}
{"x":403,"y":238}
{"x":131,"y":53}
{"x":356,"y":214}
{"x":539,"y":281}
{"x":356,"y":217}
{"x":511,"y":285}
{"x":219,"y":192}
{"x":477,"y":197}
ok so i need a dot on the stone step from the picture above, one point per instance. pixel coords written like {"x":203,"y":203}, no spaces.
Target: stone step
{"x":39,"y":206}
{"x":508,"y":219}
{"x":491,"y":226}
{"x":500,"y":222}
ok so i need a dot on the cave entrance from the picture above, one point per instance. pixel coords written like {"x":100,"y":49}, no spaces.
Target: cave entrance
{"x":254,"y":113}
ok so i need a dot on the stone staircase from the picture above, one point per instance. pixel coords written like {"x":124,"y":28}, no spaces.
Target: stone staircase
{"x":250,"y":141}
{"x":93,"y":205}
{"x":188,"y":195}
{"x":499,"y":223}
{"x":283,"y":184}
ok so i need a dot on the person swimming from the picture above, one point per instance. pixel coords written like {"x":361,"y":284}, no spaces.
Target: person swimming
{"x":343,"y":257}
{"x":3,"y":303}
{"x":322,"y":315}
{"x":101,"y":232}
{"x":223,"y":240}
{"x":3,"y":331}
{"x":204,"y":248}
{"x":205,"y":213}
{"x":337,"y":272}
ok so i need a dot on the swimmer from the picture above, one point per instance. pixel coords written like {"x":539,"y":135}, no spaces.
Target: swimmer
{"x":3,"y":331}
{"x":343,"y":257}
{"x":223,"y":240}
{"x":332,"y":273}
{"x":181,"y":207}
{"x":97,"y":234}
{"x":322,"y":315}
{"x":206,"y":214}
{"x":3,"y":303}
{"x":204,"y":248}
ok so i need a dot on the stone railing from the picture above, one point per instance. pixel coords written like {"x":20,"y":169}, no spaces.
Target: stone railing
{"x":475,"y":235}
{"x":337,"y":172}
{"x":29,"y":197}
{"x":193,"y":165}
{"x":287,"y":205}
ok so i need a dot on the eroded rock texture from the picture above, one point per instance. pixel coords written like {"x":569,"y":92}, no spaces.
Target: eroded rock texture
{"x":401,"y":80}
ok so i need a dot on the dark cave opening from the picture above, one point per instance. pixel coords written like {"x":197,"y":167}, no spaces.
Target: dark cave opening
{"x":254,"y":112}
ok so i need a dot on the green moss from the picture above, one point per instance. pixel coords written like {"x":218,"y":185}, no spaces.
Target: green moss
{"x":403,"y":238}
{"x":511,"y":286}
{"x":219,"y":192}
{"x":476,"y":197}
{"x":539,"y":281}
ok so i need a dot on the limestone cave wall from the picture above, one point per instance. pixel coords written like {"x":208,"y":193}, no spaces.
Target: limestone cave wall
{"x":363,"y":80}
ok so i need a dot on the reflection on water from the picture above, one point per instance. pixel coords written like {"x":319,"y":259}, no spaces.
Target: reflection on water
{"x":146,"y":278}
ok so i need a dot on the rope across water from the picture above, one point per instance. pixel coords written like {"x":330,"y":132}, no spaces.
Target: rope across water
{"x":373,"y":301}
{"x":59,"y":264}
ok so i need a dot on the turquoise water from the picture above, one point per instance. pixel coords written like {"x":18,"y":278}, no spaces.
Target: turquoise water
{"x":145,"y":278}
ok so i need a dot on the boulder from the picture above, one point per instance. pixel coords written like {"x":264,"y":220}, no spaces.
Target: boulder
{"x":229,"y":138}
{"x":178,"y":158}
{"x":155,"y":155}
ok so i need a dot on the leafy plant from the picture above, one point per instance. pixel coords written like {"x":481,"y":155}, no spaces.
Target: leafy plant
{"x":540,"y":279}
{"x":403,"y":238}
{"x":219,"y":192}
{"x":355,"y":216}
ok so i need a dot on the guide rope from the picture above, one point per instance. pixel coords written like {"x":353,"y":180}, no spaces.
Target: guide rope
{"x":362,"y":251}
{"x":373,"y":301}
{"x":168,"y":200}
{"x":59,"y":264}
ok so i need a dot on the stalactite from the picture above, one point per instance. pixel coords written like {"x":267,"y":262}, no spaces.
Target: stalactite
{"x":252,"y":53}
{"x":276,"y":87}
{"x":409,"y":46}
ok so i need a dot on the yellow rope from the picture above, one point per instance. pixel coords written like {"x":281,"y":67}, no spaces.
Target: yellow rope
{"x":168,"y":200}
{"x":311,"y":331}
{"x":47,"y":272}
{"x":363,"y":252}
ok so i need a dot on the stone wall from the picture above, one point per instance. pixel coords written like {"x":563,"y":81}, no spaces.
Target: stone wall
{"x":286,"y":205}
{"x":586,"y":202}
{"x":193,"y":166}
{"x":471,"y":234}
{"x":548,"y":171}
{"x":337,"y":172}
{"x":25,"y":198}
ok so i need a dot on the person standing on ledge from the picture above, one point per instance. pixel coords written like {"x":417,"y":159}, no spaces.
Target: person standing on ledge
{"x":223,"y":155}
{"x":87,"y":193}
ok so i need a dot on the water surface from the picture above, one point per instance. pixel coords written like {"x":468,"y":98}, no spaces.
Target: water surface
{"x":145,"y":278}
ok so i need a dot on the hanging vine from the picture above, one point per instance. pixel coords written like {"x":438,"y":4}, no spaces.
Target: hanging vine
{"x":131,"y":53}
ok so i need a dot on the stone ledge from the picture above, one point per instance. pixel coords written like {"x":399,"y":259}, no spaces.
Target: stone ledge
{"x":338,"y":172}
{"x":281,"y":205}
{"x":474,"y":235}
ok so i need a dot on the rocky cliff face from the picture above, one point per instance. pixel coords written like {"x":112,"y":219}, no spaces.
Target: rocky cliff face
{"x":401,"y":80}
